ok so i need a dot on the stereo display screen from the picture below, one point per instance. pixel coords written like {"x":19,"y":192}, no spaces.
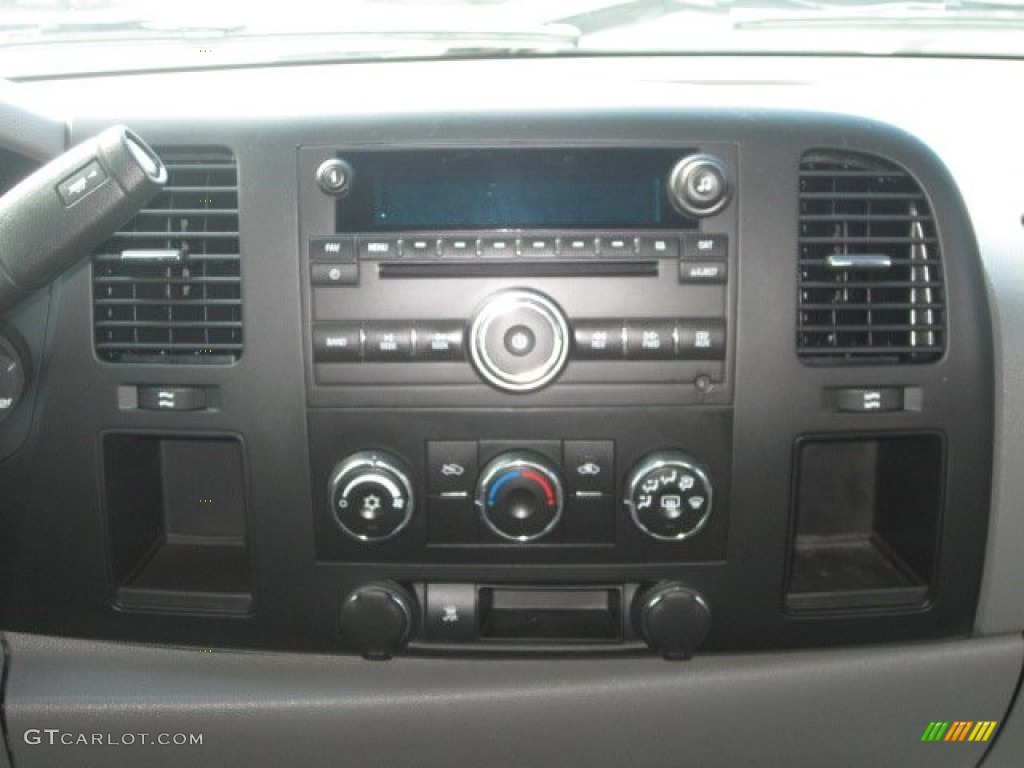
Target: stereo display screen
{"x":509,"y":189}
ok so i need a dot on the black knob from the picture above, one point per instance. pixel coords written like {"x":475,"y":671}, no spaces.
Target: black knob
{"x":335,"y":177}
{"x":672,"y":619}
{"x":377,"y":619}
{"x":371,"y":497}
{"x":668,"y":495}
{"x":699,"y":185}
{"x":520,"y":496}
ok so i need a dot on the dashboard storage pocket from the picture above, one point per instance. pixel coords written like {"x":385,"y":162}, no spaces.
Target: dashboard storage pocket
{"x":867,"y":520}
{"x":176,"y":515}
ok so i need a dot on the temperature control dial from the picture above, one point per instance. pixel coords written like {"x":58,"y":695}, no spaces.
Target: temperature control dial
{"x":520,"y":496}
{"x":371,"y":496}
{"x":668,"y":495}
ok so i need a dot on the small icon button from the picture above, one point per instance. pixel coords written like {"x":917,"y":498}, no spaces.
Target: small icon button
{"x":598,"y":340}
{"x":451,"y":467}
{"x":870,"y":399}
{"x":335,"y":274}
{"x":385,"y":342}
{"x":589,"y":466}
{"x":650,"y":339}
{"x":520,"y":340}
{"x":450,"y":613}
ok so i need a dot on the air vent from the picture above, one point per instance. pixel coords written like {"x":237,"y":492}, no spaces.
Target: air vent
{"x":167,"y":286}
{"x":871,"y":281}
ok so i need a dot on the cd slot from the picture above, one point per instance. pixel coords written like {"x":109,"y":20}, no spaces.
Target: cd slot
{"x":574,"y":268}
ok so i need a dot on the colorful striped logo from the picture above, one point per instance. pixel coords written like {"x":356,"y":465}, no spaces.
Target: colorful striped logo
{"x":959,"y":730}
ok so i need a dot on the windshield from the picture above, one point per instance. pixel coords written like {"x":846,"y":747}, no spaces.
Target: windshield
{"x":59,"y":37}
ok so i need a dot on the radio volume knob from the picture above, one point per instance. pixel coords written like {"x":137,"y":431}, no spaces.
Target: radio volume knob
{"x":520,"y":496}
{"x":699,"y":185}
{"x":519,"y":341}
{"x":668,"y":495}
{"x":371,"y":497}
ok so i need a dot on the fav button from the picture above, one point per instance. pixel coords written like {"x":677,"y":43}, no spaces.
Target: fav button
{"x":327,"y":248}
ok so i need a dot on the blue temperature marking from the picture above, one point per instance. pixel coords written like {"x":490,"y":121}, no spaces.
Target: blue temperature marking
{"x":501,"y":481}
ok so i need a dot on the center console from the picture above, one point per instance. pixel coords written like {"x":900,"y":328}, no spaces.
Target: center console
{"x":524,"y":432}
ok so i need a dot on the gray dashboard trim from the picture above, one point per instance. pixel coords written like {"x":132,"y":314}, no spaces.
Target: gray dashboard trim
{"x":4,"y":748}
{"x":25,"y":130}
{"x":1008,"y":748}
{"x":815,"y":708}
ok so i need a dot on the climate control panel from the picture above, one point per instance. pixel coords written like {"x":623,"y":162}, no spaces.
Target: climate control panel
{"x":501,"y":493}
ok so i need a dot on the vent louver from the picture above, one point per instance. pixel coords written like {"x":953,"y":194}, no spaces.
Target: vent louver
{"x":167,"y":286}
{"x":871,"y":279}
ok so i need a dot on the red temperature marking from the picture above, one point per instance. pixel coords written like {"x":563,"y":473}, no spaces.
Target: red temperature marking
{"x":549,"y":492}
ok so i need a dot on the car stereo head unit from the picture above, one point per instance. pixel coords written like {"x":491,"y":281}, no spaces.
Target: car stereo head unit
{"x":553,"y":273}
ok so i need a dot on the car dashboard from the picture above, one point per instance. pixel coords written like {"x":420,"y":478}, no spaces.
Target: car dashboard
{"x":564,"y":411}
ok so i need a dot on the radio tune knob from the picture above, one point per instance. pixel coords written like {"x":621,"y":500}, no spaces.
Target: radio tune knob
{"x":668,"y":495}
{"x":698,"y":185}
{"x":520,"y":496}
{"x":519,"y":341}
{"x":371,"y":496}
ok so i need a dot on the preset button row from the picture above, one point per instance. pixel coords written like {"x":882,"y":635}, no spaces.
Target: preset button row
{"x":428,"y":341}
{"x":650,"y":339}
